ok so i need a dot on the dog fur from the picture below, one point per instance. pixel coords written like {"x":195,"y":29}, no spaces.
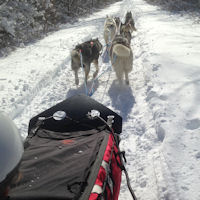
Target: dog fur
{"x":118,"y":23}
{"x":129,"y":21}
{"x":110,"y":29}
{"x":125,"y":30}
{"x":90,"y":51}
{"x":128,"y":26}
{"x":121,"y":56}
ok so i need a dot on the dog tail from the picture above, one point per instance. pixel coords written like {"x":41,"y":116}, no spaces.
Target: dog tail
{"x":121,"y":50}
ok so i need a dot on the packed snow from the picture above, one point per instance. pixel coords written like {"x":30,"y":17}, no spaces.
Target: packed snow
{"x":160,"y":108}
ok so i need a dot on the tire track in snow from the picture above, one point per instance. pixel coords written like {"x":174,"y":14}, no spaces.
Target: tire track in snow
{"x":163,"y":174}
{"x":20,"y":104}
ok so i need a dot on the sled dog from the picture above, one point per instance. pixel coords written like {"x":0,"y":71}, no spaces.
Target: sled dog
{"x":118,"y":23}
{"x":125,"y":31}
{"x":121,"y":56}
{"x":89,"y":51}
{"x":129,"y":21}
{"x":110,"y":29}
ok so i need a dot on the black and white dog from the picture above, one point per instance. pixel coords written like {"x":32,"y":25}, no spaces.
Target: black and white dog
{"x":90,"y":51}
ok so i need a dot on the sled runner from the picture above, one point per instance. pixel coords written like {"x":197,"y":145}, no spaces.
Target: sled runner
{"x":71,"y":153}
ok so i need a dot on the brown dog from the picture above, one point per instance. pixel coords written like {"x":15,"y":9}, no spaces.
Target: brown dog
{"x":125,"y":30}
{"x":129,"y":21}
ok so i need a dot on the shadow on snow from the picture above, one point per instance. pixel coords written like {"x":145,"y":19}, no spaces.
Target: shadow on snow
{"x":122,"y":98}
{"x":81,"y":89}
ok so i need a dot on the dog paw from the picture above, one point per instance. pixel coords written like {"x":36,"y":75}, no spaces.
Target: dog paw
{"x":77,"y":81}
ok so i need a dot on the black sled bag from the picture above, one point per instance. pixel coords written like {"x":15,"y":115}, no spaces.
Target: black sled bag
{"x":65,"y":163}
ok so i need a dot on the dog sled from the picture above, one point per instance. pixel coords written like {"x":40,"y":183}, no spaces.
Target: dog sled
{"x":72,"y":152}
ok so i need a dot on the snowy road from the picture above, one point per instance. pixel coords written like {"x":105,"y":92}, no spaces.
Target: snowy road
{"x":160,"y":108}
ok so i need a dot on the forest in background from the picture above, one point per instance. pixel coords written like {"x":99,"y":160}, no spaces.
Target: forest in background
{"x":24,"y":21}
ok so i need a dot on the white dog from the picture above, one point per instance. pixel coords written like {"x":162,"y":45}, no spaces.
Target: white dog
{"x":110,"y":29}
{"x":121,"y":56}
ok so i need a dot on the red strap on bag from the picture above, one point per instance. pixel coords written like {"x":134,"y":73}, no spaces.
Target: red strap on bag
{"x":115,"y":175}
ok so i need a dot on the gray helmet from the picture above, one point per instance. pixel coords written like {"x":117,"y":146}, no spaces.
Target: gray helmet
{"x":11,"y":146}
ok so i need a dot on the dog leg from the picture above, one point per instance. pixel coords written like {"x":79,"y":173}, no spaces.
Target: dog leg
{"x":87,"y":70}
{"x":119,"y":76}
{"x":126,"y":78}
{"x":76,"y":77}
{"x":75,"y":67}
{"x":97,"y":68}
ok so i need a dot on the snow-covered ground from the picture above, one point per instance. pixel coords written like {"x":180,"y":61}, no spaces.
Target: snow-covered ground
{"x":160,"y":108}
